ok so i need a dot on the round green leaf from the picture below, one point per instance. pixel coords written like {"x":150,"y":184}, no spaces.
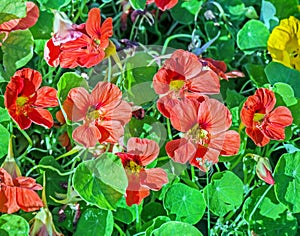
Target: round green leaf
{"x":43,"y":27}
{"x":14,"y":225}
{"x":287,"y":181}
{"x":4,"y":137}
{"x":17,"y":50}
{"x":94,"y":222}
{"x":156,"y":223}
{"x":176,"y":228}
{"x":186,"y":203}
{"x":101,"y":182}
{"x":152,"y":210}
{"x":252,"y":36}
{"x":124,"y":213}
{"x":224,"y":193}
{"x":286,"y":92}
{"x":68,"y":81}
{"x":54,"y":4}
{"x":181,"y":9}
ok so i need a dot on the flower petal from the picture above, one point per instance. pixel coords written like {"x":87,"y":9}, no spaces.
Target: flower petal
{"x":205,"y":82}
{"x":154,"y":178}
{"x":41,"y":117}
{"x":147,"y":149}
{"x":275,"y":122}
{"x":93,"y":23}
{"x":32,"y":15}
{"x":257,"y":137}
{"x":87,"y":135}
{"x":52,"y":53}
{"x":106,"y":96}
{"x":79,"y":101}
{"x":180,"y":150}
{"x":46,"y":97}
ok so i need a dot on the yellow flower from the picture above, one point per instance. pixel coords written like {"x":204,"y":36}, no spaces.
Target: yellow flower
{"x":284,"y":43}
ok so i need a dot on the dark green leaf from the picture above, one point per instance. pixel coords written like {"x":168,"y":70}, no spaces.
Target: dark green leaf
{"x":101,"y":182}
{"x":124,"y":213}
{"x":53,"y":4}
{"x":186,"y":203}
{"x":43,"y":27}
{"x":284,"y":8}
{"x":152,"y":210}
{"x":256,"y":74}
{"x":276,"y":72}
{"x":94,"y":221}
{"x":181,"y":10}
{"x":17,"y":50}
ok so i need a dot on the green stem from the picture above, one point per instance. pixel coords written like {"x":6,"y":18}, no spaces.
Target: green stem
{"x":208,"y":208}
{"x":50,"y":168}
{"x":169,"y":39}
{"x":26,"y":136}
{"x":257,"y":205}
{"x":169,"y":130}
{"x":121,"y":232}
{"x":138,"y":218}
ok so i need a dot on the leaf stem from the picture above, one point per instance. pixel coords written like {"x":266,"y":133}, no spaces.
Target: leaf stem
{"x":208,"y":208}
{"x":169,"y":39}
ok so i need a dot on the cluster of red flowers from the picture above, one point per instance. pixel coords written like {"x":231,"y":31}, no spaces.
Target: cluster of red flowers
{"x":181,"y":83}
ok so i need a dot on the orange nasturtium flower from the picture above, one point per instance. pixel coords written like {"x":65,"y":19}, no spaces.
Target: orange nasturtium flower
{"x":32,"y":15}
{"x":85,"y":45}
{"x":284,"y":43}
{"x":18,"y":193}
{"x":204,"y":124}
{"x":103,"y":111}
{"x":180,"y":75}
{"x":141,"y":152}
{"x":163,"y":4}
{"x":261,"y":121}
{"x":25,"y":100}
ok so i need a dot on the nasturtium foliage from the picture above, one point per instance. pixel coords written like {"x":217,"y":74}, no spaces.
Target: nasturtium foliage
{"x":186,"y":203}
{"x":287,"y":180}
{"x":224,"y":193}
{"x":138,"y":4}
{"x":155,"y":224}
{"x":173,"y":227}
{"x":95,"y":221}
{"x":13,"y":225}
{"x":270,"y":217}
{"x":101,"y":182}
{"x":254,"y":35}
{"x":152,"y":210}
{"x":68,"y":81}
{"x":286,"y":92}
{"x":12,"y":9}
{"x":54,"y":4}
{"x":4,"y":115}
{"x":276,"y":72}
{"x":183,"y":8}
{"x":43,"y":27}
{"x":4,"y":137}
{"x":17,"y":50}
{"x":124,"y":213}
{"x":256,"y":74}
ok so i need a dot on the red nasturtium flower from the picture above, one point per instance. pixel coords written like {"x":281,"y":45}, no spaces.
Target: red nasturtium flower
{"x":141,"y":152}
{"x":25,"y":101}
{"x":204,"y":123}
{"x":182,"y":74}
{"x":32,"y":15}
{"x":86,"y":48}
{"x":163,"y":4}
{"x":18,"y":193}
{"x":103,"y":111}
{"x":261,"y":121}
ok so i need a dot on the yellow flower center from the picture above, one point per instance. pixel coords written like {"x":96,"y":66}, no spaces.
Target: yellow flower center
{"x":92,"y":114}
{"x":258,"y":117}
{"x":133,"y":167}
{"x":21,"y":101}
{"x":199,"y":136}
{"x":293,"y":50}
{"x":176,"y":85}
